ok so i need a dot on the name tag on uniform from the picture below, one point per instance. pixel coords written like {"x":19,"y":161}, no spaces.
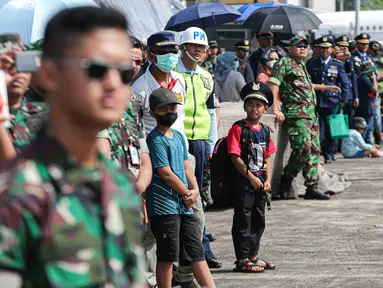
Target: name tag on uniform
{"x":134,"y":155}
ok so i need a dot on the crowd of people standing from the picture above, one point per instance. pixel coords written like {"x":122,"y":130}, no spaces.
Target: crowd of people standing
{"x":111,"y":140}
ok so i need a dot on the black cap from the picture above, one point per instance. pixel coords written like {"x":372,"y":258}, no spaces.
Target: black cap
{"x":163,"y":38}
{"x":359,"y":122}
{"x":264,"y":35}
{"x":342,"y":41}
{"x":363,"y":38}
{"x":257,"y":90}
{"x":285,"y":43}
{"x":375,"y":45}
{"x":243,"y":45}
{"x":324,"y":42}
{"x":162,"y":97}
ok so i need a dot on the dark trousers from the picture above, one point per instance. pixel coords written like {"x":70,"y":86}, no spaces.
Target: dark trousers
{"x":348,"y":110}
{"x":198,"y":149}
{"x":249,"y":219}
{"x":327,"y":144}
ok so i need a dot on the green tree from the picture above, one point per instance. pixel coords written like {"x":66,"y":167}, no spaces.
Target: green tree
{"x":364,"y":5}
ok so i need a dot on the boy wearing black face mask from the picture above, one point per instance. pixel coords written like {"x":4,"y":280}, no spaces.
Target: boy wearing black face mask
{"x":171,"y":194}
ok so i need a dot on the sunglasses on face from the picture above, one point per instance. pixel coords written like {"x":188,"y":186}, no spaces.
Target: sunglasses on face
{"x":301,"y":45}
{"x":97,"y":69}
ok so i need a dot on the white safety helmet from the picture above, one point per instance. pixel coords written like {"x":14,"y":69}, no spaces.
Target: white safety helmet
{"x":194,"y":35}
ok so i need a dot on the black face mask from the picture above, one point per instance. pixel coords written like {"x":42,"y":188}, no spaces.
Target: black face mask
{"x":168,"y":119}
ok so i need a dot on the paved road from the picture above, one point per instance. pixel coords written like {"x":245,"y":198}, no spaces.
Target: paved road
{"x":314,"y":243}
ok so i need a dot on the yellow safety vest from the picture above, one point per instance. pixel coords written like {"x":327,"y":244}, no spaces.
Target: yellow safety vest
{"x":197,"y":118}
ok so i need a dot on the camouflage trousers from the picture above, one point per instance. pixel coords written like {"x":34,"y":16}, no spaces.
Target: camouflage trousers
{"x":305,"y":146}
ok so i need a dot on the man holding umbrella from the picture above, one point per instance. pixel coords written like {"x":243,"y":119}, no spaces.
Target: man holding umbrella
{"x":291,"y":81}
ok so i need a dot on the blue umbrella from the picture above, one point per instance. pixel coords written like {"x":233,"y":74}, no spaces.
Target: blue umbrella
{"x":29,"y":17}
{"x":203,"y":15}
{"x":249,"y":9}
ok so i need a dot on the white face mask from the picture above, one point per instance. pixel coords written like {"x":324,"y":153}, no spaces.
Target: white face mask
{"x":271,"y":63}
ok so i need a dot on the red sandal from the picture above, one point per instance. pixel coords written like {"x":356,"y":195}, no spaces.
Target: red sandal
{"x":246,"y":266}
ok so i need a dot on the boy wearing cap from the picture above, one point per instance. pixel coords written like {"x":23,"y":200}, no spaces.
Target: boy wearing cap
{"x":252,"y":176}
{"x":354,"y":146}
{"x":172,"y":193}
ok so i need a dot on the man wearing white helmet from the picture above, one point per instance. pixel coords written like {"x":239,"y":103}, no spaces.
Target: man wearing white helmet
{"x":200,"y":121}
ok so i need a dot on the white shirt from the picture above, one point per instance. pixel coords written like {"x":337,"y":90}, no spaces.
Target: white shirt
{"x":146,"y":84}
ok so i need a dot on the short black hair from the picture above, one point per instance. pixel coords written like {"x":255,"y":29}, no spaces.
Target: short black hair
{"x":136,"y":43}
{"x":65,"y":30}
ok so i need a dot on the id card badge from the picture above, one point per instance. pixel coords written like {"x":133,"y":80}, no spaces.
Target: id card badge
{"x":134,"y":155}
{"x":4,"y":108}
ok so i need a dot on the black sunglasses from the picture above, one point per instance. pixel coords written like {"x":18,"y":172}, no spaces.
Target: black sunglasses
{"x":97,"y":69}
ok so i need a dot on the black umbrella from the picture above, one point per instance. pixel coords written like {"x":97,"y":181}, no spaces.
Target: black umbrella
{"x":283,"y":19}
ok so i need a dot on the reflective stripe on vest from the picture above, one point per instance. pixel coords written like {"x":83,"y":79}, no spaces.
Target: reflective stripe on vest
{"x":197,"y":118}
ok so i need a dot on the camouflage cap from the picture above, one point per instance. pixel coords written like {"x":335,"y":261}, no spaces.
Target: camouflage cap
{"x":366,"y":68}
{"x":36,"y":46}
{"x":9,"y":42}
{"x":297,"y":39}
{"x":213,"y":44}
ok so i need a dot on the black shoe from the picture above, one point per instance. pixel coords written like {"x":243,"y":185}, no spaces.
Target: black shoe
{"x":211,"y":237}
{"x":213,"y":263}
{"x":190,"y":284}
{"x":285,"y":187}
{"x":312,"y":193}
{"x":327,"y":161}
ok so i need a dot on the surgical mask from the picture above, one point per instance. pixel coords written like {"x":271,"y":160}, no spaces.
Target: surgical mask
{"x":236,"y":65}
{"x":167,"y":62}
{"x":168,"y":119}
{"x":271,"y":63}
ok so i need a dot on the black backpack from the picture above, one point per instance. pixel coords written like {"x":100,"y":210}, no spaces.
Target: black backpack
{"x":222,"y":168}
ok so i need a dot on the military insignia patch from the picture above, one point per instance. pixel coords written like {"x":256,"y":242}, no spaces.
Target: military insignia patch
{"x":324,"y":39}
{"x":344,"y":38}
{"x":256,"y":87}
{"x":206,"y":82}
{"x":364,"y":36}
{"x":247,"y":42}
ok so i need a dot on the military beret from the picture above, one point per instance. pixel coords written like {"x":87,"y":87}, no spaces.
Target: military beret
{"x":257,"y":90}
{"x":243,"y":45}
{"x":375,"y":45}
{"x":264,"y":35}
{"x":343,"y":41}
{"x":213,"y":44}
{"x":9,"y":42}
{"x":297,"y":39}
{"x":363,"y":38}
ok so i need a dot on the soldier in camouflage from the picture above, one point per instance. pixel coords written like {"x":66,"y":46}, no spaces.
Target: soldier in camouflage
{"x":25,"y":121}
{"x":291,"y":81}
{"x":211,"y":59}
{"x":69,"y":217}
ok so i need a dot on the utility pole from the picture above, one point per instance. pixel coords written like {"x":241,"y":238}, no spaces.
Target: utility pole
{"x":357,"y":9}
{"x":341,"y":5}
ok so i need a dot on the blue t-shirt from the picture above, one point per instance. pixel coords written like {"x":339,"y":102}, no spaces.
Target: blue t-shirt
{"x":160,"y":198}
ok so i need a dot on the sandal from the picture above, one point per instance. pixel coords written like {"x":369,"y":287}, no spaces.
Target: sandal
{"x":267,"y":266}
{"x":246,"y":266}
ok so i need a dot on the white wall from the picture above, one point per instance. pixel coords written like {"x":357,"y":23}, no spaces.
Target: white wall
{"x":324,"y":5}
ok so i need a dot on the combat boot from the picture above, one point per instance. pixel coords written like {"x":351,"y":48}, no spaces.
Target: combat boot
{"x":285,"y":187}
{"x":312,"y":193}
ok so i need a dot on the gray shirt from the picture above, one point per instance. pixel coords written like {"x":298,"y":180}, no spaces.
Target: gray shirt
{"x":231,"y":88}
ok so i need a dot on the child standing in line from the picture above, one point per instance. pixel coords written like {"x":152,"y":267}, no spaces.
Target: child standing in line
{"x":251,"y":181}
{"x":171,"y":194}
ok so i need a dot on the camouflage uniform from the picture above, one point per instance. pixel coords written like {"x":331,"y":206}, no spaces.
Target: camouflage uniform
{"x":62,"y":225}
{"x":209,"y":64}
{"x":298,"y":105}
{"x":27,"y":120}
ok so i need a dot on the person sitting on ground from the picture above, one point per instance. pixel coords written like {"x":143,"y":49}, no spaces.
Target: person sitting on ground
{"x":228,"y":81}
{"x":269,"y":58}
{"x":171,"y":195}
{"x":251,"y":179}
{"x":354,"y":146}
